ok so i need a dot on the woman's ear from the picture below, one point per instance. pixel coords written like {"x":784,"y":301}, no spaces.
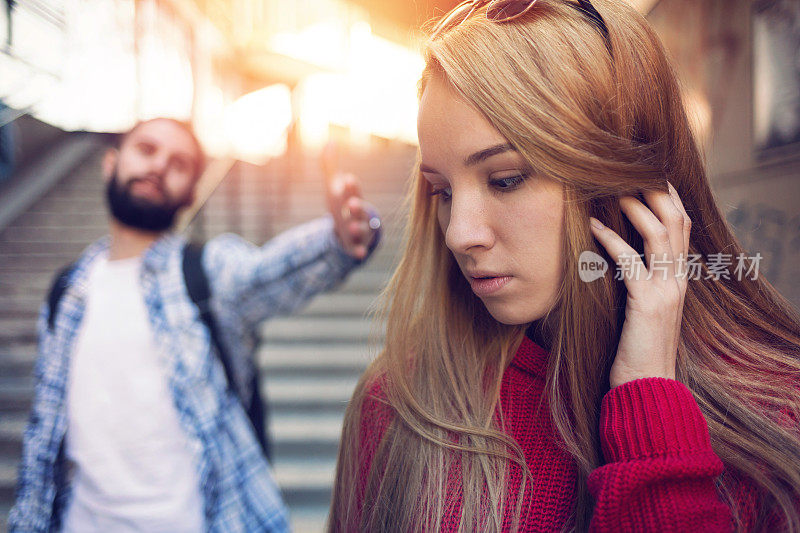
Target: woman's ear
{"x":109,"y":163}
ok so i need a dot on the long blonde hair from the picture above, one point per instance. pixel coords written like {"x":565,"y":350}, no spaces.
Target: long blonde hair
{"x":604,"y":125}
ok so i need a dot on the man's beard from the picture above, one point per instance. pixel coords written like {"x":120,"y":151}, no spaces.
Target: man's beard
{"x":136,"y":212}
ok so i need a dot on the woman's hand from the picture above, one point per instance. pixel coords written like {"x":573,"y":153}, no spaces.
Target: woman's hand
{"x":648,"y":344}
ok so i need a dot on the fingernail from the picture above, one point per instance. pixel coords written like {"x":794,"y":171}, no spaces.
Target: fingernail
{"x":596,"y":224}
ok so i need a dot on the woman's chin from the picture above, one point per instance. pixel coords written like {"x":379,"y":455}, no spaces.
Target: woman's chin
{"x":513,"y":315}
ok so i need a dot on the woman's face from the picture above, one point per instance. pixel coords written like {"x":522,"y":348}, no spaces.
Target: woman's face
{"x":502,"y":223}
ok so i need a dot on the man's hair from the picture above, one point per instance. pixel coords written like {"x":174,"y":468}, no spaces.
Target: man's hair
{"x":184,"y":125}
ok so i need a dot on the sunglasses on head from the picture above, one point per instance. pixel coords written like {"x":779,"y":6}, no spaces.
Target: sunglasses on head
{"x":508,"y":10}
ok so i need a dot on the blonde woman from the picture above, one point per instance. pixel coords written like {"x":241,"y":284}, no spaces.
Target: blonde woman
{"x":513,"y":395}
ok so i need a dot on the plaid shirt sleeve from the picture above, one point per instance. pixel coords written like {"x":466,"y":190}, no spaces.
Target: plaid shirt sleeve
{"x":277,"y":278}
{"x":35,"y":486}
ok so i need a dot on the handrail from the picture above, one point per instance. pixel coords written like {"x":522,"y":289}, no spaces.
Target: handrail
{"x":47,"y":14}
{"x":44,"y":12}
{"x":10,"y":114}
{"x":9,"y":51}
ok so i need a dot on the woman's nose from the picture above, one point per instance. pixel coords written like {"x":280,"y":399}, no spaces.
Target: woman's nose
{"x":469,"y":223}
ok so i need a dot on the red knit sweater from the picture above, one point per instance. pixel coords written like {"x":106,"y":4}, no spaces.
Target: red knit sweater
{"x":659,"y":469}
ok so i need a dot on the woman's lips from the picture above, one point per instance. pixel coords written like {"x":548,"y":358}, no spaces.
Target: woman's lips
{"x":486,"y":286}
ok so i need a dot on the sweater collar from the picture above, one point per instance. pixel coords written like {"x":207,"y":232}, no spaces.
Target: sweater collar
{"x":530,"y":357}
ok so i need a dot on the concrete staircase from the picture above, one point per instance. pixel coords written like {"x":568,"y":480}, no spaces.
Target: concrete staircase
{"x":310,"y":362}
{"x":49,"y":234}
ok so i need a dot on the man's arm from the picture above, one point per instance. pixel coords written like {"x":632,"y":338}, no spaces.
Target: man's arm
{"x":277,"y":278}
{"x":33,"y":506}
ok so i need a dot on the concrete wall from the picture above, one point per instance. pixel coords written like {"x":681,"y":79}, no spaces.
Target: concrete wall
{"x":711,"y":42}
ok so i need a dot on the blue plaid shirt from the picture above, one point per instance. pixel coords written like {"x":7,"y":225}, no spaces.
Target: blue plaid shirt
{"x":248,"y":285}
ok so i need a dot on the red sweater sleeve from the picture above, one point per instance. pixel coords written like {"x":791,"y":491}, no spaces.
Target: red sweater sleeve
{"x":660,"y":467}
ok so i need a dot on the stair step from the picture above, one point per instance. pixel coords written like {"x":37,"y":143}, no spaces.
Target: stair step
{"x":46,"y":262}
{"x":297,"y":428}
{"x":78,"y":183}
{"x":310,"y":474}
{"x":319,"y":329}
{"x":19,"y":310}
{"x":26,"y":278}
{"x":17,"y":329}
{"x":38,"y":218}
{"x":339,"y":304}
{"x":296,"y":396}
{"x":16,"y":399}
{"x":12,"y":427}
{"x":366,"y":281}
{"x":16,"y":383}
{"x":306,"y":482}
{"x":5,"y":510}
{"x":313,"y":360}
{"x":12,"y":350}
{"x":17,"y":366}
{"x":51,"y":235}
{"x":293,"y":389}
{"x":8,"y":480}
{"x":308,"y":518}
{"x":71,"y":247}
{"x":54,"y":233}
{"x":298,"y":437}
{"x":70,"y":205}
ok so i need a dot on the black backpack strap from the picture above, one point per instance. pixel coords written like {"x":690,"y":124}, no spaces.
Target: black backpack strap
{"x":57,"y":290}
{"x":194,"y":276}
{"x":197,"y":285}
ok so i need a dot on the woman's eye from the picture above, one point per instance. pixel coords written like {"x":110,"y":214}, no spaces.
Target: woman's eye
{"x":445,"y":193}
{"x":508,"y":184}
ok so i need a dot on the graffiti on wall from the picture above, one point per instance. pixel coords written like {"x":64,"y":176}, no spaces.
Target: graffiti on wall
{"x":774,"y":233}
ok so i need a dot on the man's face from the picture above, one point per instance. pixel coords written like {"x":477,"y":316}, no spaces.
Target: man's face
{"x":152,"y":175}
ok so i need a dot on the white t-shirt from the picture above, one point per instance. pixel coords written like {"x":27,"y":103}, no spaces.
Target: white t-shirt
{"x":134,"y":469}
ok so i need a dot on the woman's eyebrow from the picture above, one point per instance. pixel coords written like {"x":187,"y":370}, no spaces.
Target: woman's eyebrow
{"x":475,"y":158}
{"x":486,"y":153}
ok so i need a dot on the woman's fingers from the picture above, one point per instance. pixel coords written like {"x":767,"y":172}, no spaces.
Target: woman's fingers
{"x":665,"y":229}
{"x":687,"y":227}
{"x":656,"y":235}
{"x":663,"y":206}
{"x":631,"y":266}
